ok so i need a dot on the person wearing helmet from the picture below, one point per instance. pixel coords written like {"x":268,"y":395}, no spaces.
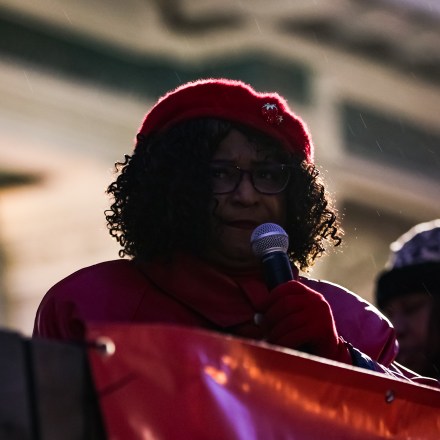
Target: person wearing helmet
{"x":408,"y":292}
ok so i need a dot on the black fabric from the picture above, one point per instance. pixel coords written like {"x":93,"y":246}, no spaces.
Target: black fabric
{"x":360,"y":359}
{"x":401,"y":281}
{"x":47,"y":391}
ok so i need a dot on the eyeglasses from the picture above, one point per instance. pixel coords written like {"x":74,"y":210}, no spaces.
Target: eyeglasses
{"x":267,"y":178}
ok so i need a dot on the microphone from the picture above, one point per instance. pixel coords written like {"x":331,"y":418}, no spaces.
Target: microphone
{"x":270,"y":242}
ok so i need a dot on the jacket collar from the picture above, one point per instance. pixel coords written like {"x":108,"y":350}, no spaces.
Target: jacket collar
{"x":225,"y":298}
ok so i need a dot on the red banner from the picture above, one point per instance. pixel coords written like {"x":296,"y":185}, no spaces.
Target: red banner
{"x":171,"y":383}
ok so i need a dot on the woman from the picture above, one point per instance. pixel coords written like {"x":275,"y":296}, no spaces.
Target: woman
{"x":213,"y":160}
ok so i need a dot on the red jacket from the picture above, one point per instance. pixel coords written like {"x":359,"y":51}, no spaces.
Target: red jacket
{"x":193,"y":293}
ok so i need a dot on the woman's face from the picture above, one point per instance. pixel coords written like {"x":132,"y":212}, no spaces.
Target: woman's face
{"x":410,"y":315}
{"x":236,"y":214}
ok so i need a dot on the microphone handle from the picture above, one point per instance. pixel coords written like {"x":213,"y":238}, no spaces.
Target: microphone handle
{"x":277,"y":269}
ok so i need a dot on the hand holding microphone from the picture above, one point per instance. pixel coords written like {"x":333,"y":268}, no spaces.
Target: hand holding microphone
{"x":295,"y":316}
{"x":300,"y":318}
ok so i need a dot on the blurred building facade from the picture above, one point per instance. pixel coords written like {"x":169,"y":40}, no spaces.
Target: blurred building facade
{"x":77,"y":77}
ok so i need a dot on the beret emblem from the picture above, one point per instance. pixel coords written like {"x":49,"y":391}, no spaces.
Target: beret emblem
{"x":271,"y":113}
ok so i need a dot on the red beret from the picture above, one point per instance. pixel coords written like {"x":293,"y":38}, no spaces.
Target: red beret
{"x":234,"y":101}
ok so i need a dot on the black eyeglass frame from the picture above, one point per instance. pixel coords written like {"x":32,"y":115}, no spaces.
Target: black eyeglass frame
{"x":242,"y":171}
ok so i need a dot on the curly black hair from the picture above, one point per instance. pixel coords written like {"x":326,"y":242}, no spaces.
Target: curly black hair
{"x":162,"y":193}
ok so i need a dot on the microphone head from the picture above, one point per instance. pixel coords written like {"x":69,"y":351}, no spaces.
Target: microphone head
{"x":267,"y":238}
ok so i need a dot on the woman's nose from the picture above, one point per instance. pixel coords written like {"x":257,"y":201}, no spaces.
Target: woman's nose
{"x":245,"y":192}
